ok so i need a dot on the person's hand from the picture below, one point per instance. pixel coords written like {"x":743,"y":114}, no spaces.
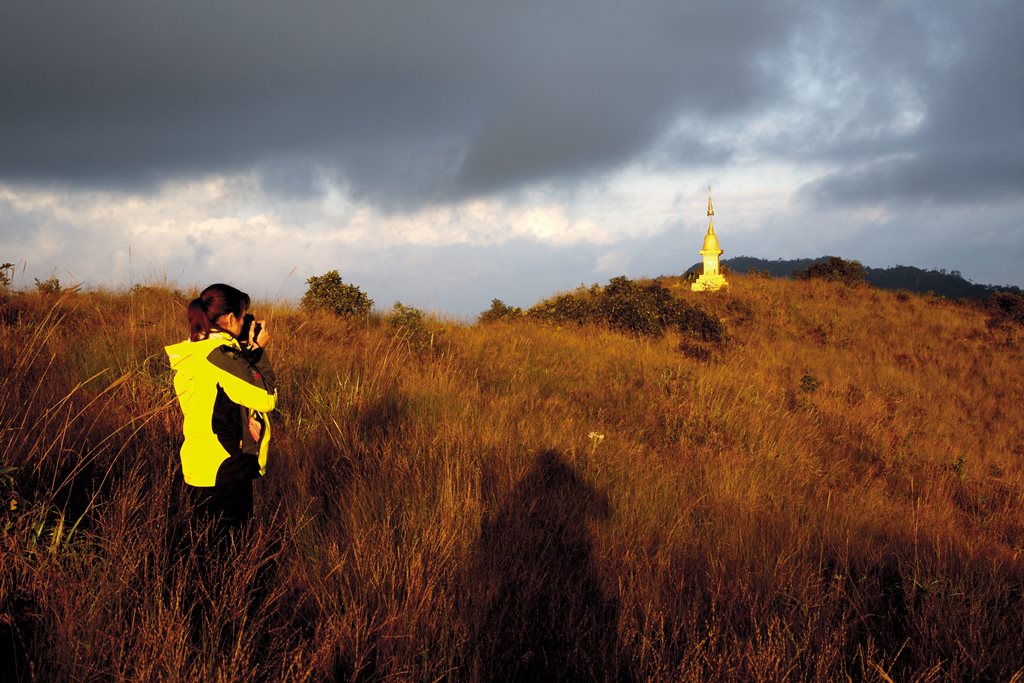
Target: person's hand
{"x":255,"y":428}
{"x":264,"y":337}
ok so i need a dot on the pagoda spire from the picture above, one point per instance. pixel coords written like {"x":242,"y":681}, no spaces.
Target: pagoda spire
{"x":711,"y":279}
{"x":711,"y":212}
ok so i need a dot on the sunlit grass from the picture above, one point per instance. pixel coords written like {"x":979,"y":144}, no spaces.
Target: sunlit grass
{"x":835,"y":491}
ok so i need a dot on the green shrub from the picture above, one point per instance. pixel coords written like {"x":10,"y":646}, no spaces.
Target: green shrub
{"x":328,"y":292}
{"x":154,"y":290}
{"x":694,"y":321}
{"x":6,"y":272}
{"x":406,"y":316}
{"x":413,"y":327}
{"x":626,"y":306}
{"x":630,"y":307}
{"x":650,"y":309}
{"x":499,"y":310}
{"x":48,"y":286}
{"x":834,"y":269}
{"x":574,"y":307}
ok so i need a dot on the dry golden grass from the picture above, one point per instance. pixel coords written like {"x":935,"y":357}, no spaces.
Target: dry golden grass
{"x":834,"y":494}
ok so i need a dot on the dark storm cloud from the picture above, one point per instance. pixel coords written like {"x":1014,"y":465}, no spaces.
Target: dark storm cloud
{"x":293,"y":180}
{"x":963,"y":65}
{"x":405,"y":103}
{"x":428,"y":101}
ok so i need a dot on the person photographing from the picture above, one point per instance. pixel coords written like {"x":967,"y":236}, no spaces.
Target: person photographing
{"x":225,"y":385}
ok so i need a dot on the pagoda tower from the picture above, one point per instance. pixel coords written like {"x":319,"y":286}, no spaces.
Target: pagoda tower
{"x":711,"y":280}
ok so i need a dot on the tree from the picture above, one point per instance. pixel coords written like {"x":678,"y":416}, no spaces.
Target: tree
{"x":328,"y":292}
{"x":834,"y":269}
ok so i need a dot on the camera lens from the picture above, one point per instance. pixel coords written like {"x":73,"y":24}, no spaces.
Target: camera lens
{"x":247,"y":322}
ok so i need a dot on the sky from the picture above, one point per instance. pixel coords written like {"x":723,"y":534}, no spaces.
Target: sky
{"x":446,"y":153}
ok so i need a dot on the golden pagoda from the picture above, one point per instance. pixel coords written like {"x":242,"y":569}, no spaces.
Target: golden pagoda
{"x":711,"y":280}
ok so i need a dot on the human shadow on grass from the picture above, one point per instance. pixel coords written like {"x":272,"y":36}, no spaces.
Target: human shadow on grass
{"x":536,"y":609}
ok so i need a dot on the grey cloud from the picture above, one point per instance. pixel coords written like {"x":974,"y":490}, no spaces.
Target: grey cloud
{"x":20,"y":228}
{"x":17,"y":227}
{"x":685,"y":147}
{"x":293,"y":180}
{"x":415,"y":102}
{"x":970,"y":144}
{"x":600,"y":91}
{"x":405,"y":104}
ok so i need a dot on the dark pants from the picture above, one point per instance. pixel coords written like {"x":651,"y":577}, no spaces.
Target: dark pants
{"x":229,"y":505}
{"x":220,"y":515}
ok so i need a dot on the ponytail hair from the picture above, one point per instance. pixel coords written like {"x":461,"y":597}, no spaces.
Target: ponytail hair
{"x":214,"y":301}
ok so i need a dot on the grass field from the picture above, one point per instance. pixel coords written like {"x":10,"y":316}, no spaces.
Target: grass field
{"x":834,"y":492}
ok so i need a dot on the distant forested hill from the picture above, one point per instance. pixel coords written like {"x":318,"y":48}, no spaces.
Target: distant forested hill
{"x":949,"y":284}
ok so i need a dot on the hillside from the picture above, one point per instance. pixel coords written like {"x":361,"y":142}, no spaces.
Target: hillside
{"x":833,"y":491}
{"x":910,"y":278}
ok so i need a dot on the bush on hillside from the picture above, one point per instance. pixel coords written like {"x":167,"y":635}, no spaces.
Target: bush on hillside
{"x":6,"y":272}
{"x":577,"y":307}
{"x":412,"y":326}
{"x":499,"y":310}
{"x":834,"y":269}
{"x":328,"y":292}
{"x":48,"y":286}
{"x":627,"y":306}
{"x":158,"y":291}
{"x":696,"y":322}
{"x":406,"y":316}
{"x":1005,"y":307}
{"x":646,"y":309}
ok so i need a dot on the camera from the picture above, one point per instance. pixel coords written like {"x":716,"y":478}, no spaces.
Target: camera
{"x":249,"y":323}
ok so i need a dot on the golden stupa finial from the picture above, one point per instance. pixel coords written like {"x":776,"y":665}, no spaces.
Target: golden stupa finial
{"x":711,"y":279}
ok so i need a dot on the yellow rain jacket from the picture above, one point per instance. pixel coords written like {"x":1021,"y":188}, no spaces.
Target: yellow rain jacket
{"x":219,"y":386}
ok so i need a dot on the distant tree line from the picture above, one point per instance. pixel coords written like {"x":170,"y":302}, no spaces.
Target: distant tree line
{"x":942,"y":282}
